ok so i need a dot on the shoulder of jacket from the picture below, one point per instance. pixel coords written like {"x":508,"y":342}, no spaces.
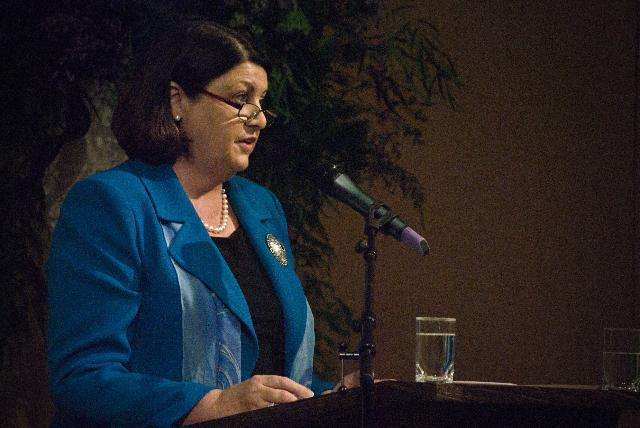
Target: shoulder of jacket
{"x":127,"y":173}
{"x":120,"y":182}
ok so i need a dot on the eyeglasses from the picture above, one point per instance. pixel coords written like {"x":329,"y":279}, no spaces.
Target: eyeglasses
{"x":246,"y":111}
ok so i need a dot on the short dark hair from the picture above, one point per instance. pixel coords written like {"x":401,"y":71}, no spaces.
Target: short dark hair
{"x":192,"y":54}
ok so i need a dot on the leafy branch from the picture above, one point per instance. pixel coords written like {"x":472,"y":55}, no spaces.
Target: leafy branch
{"x":352,"y":83}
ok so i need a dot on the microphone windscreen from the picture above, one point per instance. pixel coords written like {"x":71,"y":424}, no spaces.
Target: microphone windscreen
{"x":413,"y":240}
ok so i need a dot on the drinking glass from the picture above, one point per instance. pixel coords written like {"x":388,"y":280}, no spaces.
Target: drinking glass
{"x":621,"y":359}
{"x":435,"y":349}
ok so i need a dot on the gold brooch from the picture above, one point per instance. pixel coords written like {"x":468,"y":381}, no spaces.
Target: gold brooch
{"x":277,"y":249}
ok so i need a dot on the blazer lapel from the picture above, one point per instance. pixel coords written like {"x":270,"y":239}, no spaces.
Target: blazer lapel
{"x":258,"y":224}
{"x":192,"y":248}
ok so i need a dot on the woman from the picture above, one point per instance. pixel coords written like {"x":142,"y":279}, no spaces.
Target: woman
{"x":172,"y":291}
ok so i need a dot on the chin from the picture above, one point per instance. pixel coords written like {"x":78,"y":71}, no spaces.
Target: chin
{"x":241,"y":164}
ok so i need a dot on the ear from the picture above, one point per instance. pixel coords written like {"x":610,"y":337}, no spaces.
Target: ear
{"x":179,"y":100}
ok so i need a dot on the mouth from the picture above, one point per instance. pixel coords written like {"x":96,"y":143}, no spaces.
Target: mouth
{"x":247,"y":144}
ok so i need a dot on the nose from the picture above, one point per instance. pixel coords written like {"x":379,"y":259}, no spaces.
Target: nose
{"x":258,"y":119}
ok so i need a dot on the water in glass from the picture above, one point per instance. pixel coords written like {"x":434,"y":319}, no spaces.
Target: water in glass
{"x":435,"y":354}
{"x":621,"y":370}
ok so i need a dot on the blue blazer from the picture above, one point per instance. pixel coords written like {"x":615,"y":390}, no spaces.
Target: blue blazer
{"x":145,"y":316}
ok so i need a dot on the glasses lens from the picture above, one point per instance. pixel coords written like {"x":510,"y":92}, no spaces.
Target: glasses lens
{"x":250,"y":112}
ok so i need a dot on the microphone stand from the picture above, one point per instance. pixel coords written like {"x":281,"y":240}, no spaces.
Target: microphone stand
{"x":366,"y":247}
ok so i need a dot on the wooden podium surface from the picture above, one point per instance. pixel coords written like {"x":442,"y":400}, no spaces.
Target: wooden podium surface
{"x":455,"y":405}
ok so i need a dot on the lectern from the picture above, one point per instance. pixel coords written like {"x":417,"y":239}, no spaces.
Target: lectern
{"x":408,"y":404}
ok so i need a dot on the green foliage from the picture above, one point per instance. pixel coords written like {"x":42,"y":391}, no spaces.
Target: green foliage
{"x":294,"y":22}
{"x":351,"y":82}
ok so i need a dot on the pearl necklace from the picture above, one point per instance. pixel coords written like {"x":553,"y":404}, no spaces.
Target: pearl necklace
{"x":224,"y":218}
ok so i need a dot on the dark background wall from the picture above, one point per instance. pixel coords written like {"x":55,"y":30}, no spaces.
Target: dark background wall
{"x":530,"y":192}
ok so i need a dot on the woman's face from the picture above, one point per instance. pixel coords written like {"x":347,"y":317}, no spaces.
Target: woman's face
{"x":221,"y":142}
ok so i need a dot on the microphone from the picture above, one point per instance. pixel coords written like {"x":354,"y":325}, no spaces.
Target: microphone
{"x":341,"y":187}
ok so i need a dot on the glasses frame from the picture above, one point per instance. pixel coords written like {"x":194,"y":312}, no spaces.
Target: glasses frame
{"x":268,"y":114}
